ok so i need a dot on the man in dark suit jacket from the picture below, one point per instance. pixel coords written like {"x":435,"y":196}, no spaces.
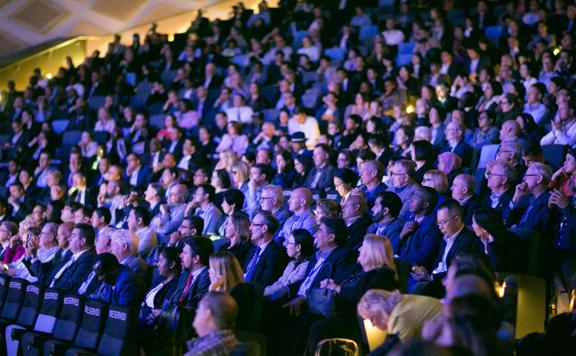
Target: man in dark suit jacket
{"x":354,"y":213}
{"x":455,"y":142}
{"x":499,"y":179}
{"x":137,"y":174}
{"x":119,"y":285}
{"x":70,"y":274}
{"x":420,"y":237}
{"x":266,"y":261}
{"x":321,"y":177}
{"x":463,"y":188}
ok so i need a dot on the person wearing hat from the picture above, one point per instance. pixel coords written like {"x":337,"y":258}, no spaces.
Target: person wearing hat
{"x":308,"y":125}
{"x":298,"y":145}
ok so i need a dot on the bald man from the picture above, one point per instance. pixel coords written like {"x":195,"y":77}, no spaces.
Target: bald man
{"x":463,"y":188}
{"x":299,"y":204}
{"x":355,"y":215}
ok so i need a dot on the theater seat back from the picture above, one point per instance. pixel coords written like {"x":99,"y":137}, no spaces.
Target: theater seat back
{"x":4,"y":281}
{"x":69,"y":319}
{"x":30,"y":306}
{"x":49,"y":311}
{"x":118,"y":337}
{"x":92,"y":324}
{"x":14,"y":297}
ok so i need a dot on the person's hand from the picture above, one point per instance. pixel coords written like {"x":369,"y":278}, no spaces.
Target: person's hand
{"x":189,"y":208}
{"x":164,"y":209}
{"x":560,"y":173}
{"x":520,"y":191}
{"x":420,"y":273}
{"x":32,"y":247}
{"x":490,"y":165}
{"x":295,"y":305}
{"x":252,"y":185}
{"x":175,"y":237}
{"x":14,"y":240}
{"x":408,"y":228}
{"x":558,"y":199}
{"x":330,"y":284}
{"x":217,"y":284}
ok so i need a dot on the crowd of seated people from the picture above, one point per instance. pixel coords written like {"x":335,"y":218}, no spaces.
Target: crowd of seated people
{"x":389,"y":154}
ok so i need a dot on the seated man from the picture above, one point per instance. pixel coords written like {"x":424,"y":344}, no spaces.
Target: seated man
{"x":385,"y":212}
{"x":214,"y":323}
{"x":118,"y":283}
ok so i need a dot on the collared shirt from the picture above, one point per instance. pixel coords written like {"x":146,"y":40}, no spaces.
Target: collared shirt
{"x":321,"y":257}
{"x":217,"y":343}
{"x":134,"y":177}
{"x":442,"y":265}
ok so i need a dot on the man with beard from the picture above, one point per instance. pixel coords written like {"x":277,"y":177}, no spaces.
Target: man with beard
{"x":385,"y":212}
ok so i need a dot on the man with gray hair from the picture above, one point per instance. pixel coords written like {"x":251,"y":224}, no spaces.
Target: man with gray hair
{"x":124,"y":245}
{"x":272,"y":200}
{"x":529,"y":205}
{"x":172,"y":214}
{"x":42,"y":248}
{"x":455,"y":141}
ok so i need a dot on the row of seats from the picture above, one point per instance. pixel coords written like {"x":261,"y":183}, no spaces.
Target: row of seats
{"x":49,"y":321}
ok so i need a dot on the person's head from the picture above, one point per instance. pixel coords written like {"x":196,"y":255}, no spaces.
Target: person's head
{"x":225,"y":266}
{"x":104,"y":240}
{"x":123,"y":244}
{"x":138,"y":218}
{"x":326,"y":207}
{"x":422,"y":201}
{"x":233,"y":201}
{"x":100,"y":217}
{"x":264,"y":226}
{"x":321,"y":155}
{"x":191,"y":226}
{"x":201,"y":176}
{"x":7,"y":230}
{"x":487,"y":222}
{"x":376,"y":252}
{"x":532,"y":152}
{"x":216,"y":311}
{"x":49,"y":235}
{"x":332,"y":232}
{"x":259,"y":174}
{"x":64,"y":232}
{"x":449,"y":162}
{"x":421,"y":151}
{"x":82,"y":238}
{"x":204,"y":194}
{"x":106,"y":267}
{"x":377,"y":305}
{"x":463,"y":187}
{"x":168,"y":262}
{"x":355,"y":206}
{"x":450,"y":218}
{"x":39,"y":214}
{"x":300,"y":244}
{"x":371,"y":172}
{"x":437,"y":180}
{"x":537,"y":177}
{"x":272,"y":198}
{"x":402,"y":173}
{"x":510,"y":130}
{"x":196,"y":253}
{"x":344,"y":180}
{"x":178,"y":194}
{"x":153,"y":193}
{"x":240,"y":173}
{"x":238,"y":227}
{"x":501,"y":176}
{"x":300,"y":200}
{"x":387,"y":205}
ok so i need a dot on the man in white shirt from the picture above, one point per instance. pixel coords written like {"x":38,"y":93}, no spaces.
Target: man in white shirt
{"x":301,"y":122}
{"x":239,"y":112}
{"x":563,"y":127}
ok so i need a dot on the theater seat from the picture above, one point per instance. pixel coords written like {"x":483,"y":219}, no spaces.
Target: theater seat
{"x":30,"y":306}
{"x":4,"y":281}
{"x":14,"y":297}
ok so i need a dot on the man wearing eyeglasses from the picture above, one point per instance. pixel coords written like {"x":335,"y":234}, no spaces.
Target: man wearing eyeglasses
{"x":500,"y":176}
{"x":529,"y":205}
{"x":457,"y":237}
{"x":402,"y":182}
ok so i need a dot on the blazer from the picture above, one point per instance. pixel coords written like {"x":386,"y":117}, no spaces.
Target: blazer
{"x":270,"y":265}
{"x":357,"y":232}
{"x":465,"y":239}
{"x":74,"y":275}
{"x":468,"y":209}
{"x":421,"y":246}
{"x":462,"y":149}
{"x":391,"y":231}
{"x":354,"y":287}
{"x":127,"y":290}
{"x":197,"y":290}
{"x":503,"y":253}
{"x":503,"y":203}
{"x":326,"y":178}
{"x":165,"y":292}
{"x":533,"y":214}
{"x":42,"y":270}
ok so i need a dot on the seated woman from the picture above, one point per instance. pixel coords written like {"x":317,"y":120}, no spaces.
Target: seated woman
{"x":422,"y":152}
{"x":378,"y":271}
{"x":438,"y":181}
{"x":226,"y":275}
{"x":299,"y":247}
{"x":169,"y":267}
{"x":285,"y":173}
{"x":345,"y":179}
{"x":233,"y":201}
{"x":237,"y":232}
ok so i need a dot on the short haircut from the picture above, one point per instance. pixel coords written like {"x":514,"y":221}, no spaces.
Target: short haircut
{"x":408,"y":165}
{"x":276,"y":190}
{"x":543,"y":170}
{"x":87,"y":233}
{"x":391,"y":201}
{"x":141,"y":212}
{"x":223,"y":309}
{"x":305,"y":239}
{"x":337,"y":227}
{"x":210,"y":190}
{"x":104,"y":213}
{"x":202,"y":247}
{"x":430,"y":196}
{"x":125,"y":237}
{"x":452,"y":206}
{"x":157,"y":187}
{"x":12,"y":226}
{"x":270,"y":221}
{"x":107,"y":261}
{"x":234,"y":197}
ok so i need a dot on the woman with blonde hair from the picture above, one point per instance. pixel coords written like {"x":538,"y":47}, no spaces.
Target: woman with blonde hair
{"x":241,"y":176}
{"x":225,"y":272}
{"x":227,"y":159}
{"x":237,"y":232}
{"x":437,"y":180}
{"x":378,"y":271}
